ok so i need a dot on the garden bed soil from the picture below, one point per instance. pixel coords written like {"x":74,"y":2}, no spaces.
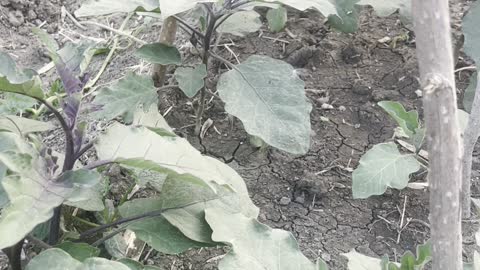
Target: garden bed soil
{"x":308,"y":195}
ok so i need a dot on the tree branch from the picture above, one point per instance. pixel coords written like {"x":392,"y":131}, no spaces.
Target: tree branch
{"x":84,"y":149}
{"x":436,"y":65}
{"x":470,"y":137}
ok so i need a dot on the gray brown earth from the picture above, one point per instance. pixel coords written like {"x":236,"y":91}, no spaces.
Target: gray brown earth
{"x":309,"y":195}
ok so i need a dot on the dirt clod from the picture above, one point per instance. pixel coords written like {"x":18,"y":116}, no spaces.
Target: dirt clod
{"x":285,"y":201}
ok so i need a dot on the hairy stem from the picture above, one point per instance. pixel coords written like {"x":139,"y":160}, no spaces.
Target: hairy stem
{"x":67,"y":165}
{"x":38,"y":242}
{"x":14,"y":255}
{"x":156,"y":213}
{"x":212,"y":20}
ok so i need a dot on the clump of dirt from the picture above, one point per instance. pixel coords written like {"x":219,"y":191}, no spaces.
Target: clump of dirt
{"x":18,"y":13}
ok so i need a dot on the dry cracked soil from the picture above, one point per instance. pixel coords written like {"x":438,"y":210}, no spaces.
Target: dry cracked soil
{"x":309,"y":195}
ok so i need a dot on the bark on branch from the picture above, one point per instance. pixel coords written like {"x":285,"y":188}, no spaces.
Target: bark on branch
{"x":167,"y":36}
{"x":435,"y":58}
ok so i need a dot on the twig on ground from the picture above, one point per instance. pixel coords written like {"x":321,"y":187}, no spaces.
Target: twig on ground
{"x":70,"y":16}
{"x":92,"y":82}
{"x":121,"y":33}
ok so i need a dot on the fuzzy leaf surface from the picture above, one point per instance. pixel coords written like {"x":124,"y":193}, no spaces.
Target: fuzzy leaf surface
{"x":255,"y":246}
{"x":241,"y":23}
{"x":470,"y":93}
{"x":104,"y":7}
{"x":381,"y":167}
{"x":408,"y":121}
{"x":269,"y":98}
{"x":277,"y":18}
{"x":159,"y":53}
{"x":79,"y":251}
{"x":188,"y":173}
{"x":471,"y":31}
{"x":326,"y":7}
{"x":125,"y":96}
{"x":32,"y":192}
{"x":57,"y":259}
{"x":191,"y":80}
{"x":14,"y":80}
{"x":12,"y":103}
{"x":387,"y":8}
{"x":22,"y":126}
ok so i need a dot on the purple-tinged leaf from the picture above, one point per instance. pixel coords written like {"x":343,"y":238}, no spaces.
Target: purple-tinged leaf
{"x":71,"y":106}
{"x":79,"y":136}
{"x":71,"y":82}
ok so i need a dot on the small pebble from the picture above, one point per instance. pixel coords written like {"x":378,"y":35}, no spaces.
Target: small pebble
{"x":300,"y":199}
{"x":326,"y":106}
{"x":419,"y":93}
{"x":326,"y":257}
{"x":285,"y":201}
{"x":15,"y":18}
{"x":31,"y":15}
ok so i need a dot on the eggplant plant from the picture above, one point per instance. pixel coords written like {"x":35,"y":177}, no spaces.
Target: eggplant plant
{"x":266,"y":94}
{"x":199,"y":201}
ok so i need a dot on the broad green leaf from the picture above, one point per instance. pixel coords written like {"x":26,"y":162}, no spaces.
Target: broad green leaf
{"x":116,"y":246}
{"x":13,"y":80}
{"x":89,"y":199}
{"x":12,"y":103}
{"x":381,"y":167}
{"x":169,"y":7}
{"x":321,"y":265}
{"x":79,"y":251}
{"x":151,"y":118}
{"x":191,"y":80}
{"x":157,"y":231}
{"x":47,"y":40}
{"x":471,"y":31}
{"x":346,"y":20}
{"x":133,"y":147}
{"x":104,"y":7}
{"x":3,"y":195}
{"x":159,"y":53}
{"x":41,"y":231}
{"x":326,"y":7}
{"x":255,"y":246}
{"x":57,"y":259}
{"x":469,"y":94}
{"x":277,"y":18}
{"x":387,"y":8}
{"x":269,"y":98}
{"x":33,"y":194}
{"x":77,"y":57}
{"x":408,"y":121}
{"x":134,"y":265}
{"x":253,"y":4}
{"x":357,"y":261}
{"x":424,"y":255}
{"x":125,"y":96}
{"x":22,"y":126}
{"x":241,"y":23}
